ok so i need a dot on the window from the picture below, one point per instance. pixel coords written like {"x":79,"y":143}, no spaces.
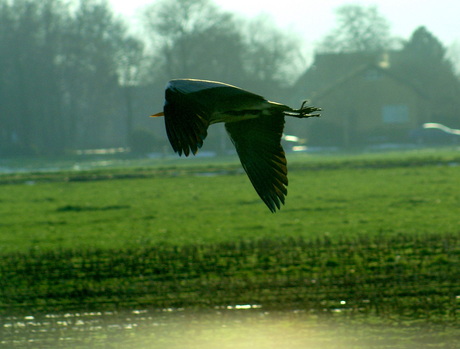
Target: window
{"x":395,"y":114}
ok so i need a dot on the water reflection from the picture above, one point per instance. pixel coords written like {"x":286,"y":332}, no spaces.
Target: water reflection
{"x":233,"y":326}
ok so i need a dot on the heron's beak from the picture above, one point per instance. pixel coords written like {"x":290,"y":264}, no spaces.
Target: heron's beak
{"x":157,"y":114}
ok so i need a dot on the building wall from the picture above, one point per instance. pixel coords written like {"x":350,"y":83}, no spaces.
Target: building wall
{"x":370,"y":104}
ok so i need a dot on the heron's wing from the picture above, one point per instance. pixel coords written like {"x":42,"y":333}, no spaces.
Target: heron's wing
{"x":258,"y":144}
{"x":186,"y":122}
{"x":192,"y":105}
{"x":215,"y":97}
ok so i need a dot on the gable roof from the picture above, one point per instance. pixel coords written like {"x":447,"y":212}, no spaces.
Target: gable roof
{"x":359,"y":71}
{"x":330,"y":70}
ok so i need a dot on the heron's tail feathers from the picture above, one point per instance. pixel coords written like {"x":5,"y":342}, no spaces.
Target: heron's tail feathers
{"x":304,"y":111}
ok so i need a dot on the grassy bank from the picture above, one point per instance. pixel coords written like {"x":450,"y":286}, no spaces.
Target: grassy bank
{"x":412,"y":277}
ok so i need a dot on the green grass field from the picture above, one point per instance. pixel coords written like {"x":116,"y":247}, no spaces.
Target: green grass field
{"x":328,"y":196}
{"x":369,"y":240}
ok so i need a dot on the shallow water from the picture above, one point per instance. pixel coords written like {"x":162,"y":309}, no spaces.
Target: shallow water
{"x":231,"y":327}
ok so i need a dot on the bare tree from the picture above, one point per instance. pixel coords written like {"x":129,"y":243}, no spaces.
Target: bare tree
{"x":359,"y":28}
{"x":192,"y":38}
{"x":94,"y":39}
{"x":272,"y":57}
{"x":130,"y":62}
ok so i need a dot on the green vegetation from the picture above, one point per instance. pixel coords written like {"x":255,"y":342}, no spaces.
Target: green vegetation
{"x":405,"y":276}
{"x":366,"y":235}
{"x":128,"y":207}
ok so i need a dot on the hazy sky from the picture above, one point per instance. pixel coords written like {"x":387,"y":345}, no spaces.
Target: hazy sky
{"x":312,"y":19}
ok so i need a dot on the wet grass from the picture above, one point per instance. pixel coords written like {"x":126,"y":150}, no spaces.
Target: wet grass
{"x":414,"y":277}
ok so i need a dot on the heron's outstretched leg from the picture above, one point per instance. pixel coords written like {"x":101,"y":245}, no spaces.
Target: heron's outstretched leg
{"x":304,"y":111}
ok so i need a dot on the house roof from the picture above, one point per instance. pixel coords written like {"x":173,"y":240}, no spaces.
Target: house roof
{"x":331,"y":70}
{"x":359,"y":71}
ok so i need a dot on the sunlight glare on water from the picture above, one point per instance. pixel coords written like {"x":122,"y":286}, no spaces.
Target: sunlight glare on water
{"x":233,"y":327}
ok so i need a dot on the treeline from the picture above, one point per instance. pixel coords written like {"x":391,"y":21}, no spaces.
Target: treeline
{"x":73,"y":77}
{"x":59,"y":74}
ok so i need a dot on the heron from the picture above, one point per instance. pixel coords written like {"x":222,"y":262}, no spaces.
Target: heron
{"x":255,"y":126}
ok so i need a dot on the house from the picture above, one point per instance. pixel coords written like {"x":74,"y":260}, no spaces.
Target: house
{"x":363,"y":99}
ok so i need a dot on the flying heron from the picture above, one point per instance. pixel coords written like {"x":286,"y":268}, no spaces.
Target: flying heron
{"x":255,"y":126}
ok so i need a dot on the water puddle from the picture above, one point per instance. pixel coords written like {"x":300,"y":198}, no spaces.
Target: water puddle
{"x":232,"y":326}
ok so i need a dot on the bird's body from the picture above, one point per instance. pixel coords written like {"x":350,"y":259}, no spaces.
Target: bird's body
{"x":255,"y":126}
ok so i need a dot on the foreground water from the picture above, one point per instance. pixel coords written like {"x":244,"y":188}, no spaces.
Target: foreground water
{"x":233,"y":327}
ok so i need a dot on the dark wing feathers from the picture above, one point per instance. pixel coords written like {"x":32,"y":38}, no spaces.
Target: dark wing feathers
{"x":186,"y":123}
{"x":257,"y":142}
{"x":190,"y":105}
